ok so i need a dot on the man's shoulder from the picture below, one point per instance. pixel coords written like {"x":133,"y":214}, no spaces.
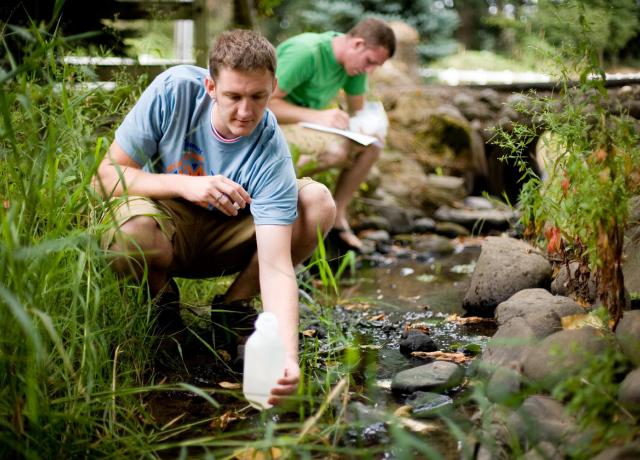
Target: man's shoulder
{"x":182,"y":75}
{"x":308,"y":40}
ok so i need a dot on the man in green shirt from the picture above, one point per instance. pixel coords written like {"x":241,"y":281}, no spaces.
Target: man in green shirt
{"x":312,"y":69}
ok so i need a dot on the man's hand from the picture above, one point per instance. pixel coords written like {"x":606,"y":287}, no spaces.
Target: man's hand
{"x":333,"y":118}
{"x":288,"y":384}
{"x":216,"y":191}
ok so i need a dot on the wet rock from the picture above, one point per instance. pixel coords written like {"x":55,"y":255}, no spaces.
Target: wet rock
{"x":628,"y":452}
{"x":451,"y":229}
{"x":423,"y":225}
{"x":443,"y":190}
{"x":374,"y":222}
{"x":543,"y":419}
{"x":565,"y":281}
{"x":509,"y":346}
{"x":400,"y":219}
{"x":491,"y":97}
{"x":435,"y":376}
{"x":628,"y":336}
{"x":504,"y":386}
{"x":478,"y":219}
{"x":563,"y":354}
{"x":505,"y":266}
{"x":470,"y":107}
{"x":417,"y":341}
{"x":629,"y":392}
{"x":375,"y":235}
{"x":477,"y":202}
{"x":428,"y":405}
{"x":432,"y":245}
{"x":541,"y":310}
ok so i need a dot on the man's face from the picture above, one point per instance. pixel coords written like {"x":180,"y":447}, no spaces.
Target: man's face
{"x":241,"y":100}
{"x":361,"y":58}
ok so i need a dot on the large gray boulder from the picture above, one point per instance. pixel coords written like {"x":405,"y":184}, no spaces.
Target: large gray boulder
{"x":631,"y":264}
{"x":540,"y":419}
{"x":435,"y":376}
{"x":563,"y":354}
{"x":628,"y":336}
{"x":541,"y":310}
{"x":629,"y":392}
{"x":505,"y":266}
{"x":508,"y":347}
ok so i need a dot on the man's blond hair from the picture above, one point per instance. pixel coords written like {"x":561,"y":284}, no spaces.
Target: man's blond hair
{"x":243,"y":50}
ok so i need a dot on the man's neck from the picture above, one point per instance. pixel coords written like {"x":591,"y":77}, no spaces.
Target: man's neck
{"x":339,"y":45}
{"x":218,"y":133}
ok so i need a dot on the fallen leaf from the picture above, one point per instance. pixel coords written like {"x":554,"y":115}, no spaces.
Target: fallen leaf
{"x":309,"y":332}
{"x":458,"y":358}
{"x":221,"y":423}
{"x":422,"y":327}
{"x":379,"y":317}
{"x":357,"y":306}
{"x":581,"y":320}
{"x":252,"y":454}
{"x":230,"y":385}
{"x":417,"y":426}
{"x":224,"y":355}
{"x":468,"y":320}
{"x":403,"y":411}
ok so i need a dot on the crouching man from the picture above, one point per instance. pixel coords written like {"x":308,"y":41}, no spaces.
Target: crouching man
{"x":204,"y":185}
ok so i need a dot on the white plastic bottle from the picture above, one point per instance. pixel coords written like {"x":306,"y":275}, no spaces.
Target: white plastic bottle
{"x":264,"y":358}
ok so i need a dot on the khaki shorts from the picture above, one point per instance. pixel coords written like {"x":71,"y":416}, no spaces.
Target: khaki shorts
{"x":312,"y":148}
{"x":205,"y":243}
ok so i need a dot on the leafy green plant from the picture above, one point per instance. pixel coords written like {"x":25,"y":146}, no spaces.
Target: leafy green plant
{"x":592,"y":167}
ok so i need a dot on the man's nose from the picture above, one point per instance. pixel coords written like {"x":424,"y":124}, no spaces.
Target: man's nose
{"x":244,"y":108}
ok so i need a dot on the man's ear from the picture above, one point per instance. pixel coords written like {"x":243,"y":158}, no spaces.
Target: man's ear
{"x":358,"y":43}
{"x":210,"y":87}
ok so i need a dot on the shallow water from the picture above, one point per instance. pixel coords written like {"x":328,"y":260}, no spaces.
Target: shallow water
{"x":393,"y":290}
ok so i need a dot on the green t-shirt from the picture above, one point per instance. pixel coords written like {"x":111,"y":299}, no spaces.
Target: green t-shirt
{"x":309,"y":73}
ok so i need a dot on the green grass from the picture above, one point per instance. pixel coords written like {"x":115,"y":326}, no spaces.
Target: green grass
{"x":77,"y":370}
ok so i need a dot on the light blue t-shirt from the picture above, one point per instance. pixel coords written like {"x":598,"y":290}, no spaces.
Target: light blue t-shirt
{"x":169,"y":131}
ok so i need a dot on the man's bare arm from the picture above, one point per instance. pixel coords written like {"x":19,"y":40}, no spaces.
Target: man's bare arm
{"x":119,"y":173}
{"x":355,"y":103}
{"x":286,"y":112}
{"x":279,"y":290}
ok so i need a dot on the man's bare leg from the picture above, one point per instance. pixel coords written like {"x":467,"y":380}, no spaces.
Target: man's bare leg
{"x":348,"y":183}
{"x":140,"y":242}
{"x":315,"y":208}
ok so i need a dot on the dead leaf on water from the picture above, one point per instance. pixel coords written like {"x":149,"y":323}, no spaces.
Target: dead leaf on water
{"x":422,"y":327}
{"x":230,"y":385}
{"x":458,"y":358}
{"x":379,"y":317}
{"x":403,"y":411}
{"x":581,"y":320}
{"x":357,"y":306}
{"x":468,"y":320}
{"x":221,"y":423}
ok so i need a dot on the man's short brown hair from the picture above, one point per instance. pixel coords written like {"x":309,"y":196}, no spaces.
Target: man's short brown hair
{"x":375,"y":32}
{"x":243,"y":50}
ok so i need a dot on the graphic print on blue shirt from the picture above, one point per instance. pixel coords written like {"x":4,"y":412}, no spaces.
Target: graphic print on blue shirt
{"x":191,"y":163}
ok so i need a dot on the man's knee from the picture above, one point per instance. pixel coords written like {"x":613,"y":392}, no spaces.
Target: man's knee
{"x":140,"y":238}
{"x":316,"y":206}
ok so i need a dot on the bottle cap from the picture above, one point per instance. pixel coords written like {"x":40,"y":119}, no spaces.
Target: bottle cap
{"x":267,"y":321}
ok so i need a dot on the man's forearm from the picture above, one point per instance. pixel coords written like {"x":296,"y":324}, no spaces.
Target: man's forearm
{"x":115,"y":180}
{"x":286,"y":112}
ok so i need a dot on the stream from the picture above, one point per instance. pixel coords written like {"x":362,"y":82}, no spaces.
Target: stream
{"x":417,"y":282}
